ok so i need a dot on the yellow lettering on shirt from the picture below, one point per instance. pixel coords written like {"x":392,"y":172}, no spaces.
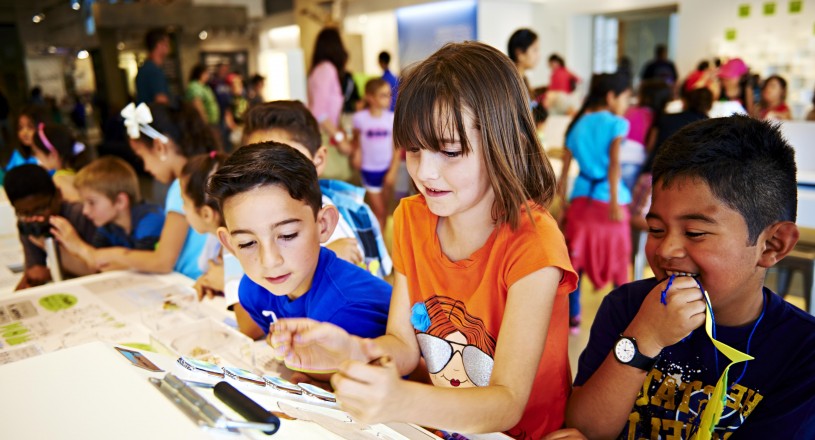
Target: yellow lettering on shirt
{"x":654,"y":374}
{"x":665,"y":394}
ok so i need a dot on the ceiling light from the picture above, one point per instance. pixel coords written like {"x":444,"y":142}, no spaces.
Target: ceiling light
{"x":120,"y":45}
{"x":75,"y":6}
{"x":37,"y":18}
{"x":203,"y":35}
{"x":82,"y":54}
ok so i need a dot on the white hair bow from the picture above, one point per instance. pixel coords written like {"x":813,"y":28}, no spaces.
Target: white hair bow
{"x":138,"y":119}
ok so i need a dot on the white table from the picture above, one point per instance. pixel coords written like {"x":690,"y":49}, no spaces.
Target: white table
{"x":92,"y":392}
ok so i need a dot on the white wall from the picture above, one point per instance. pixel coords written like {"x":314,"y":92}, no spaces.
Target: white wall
{"x":378,"y":31}
{"x":48,"y":72}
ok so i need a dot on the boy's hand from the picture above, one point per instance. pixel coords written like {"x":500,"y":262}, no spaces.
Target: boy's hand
{"x":34,"y":276}
{"x":65,"y":233}
{"x":346,"y":249}
{"x":37,"y":241}
{"x":370,"y":393}
{"x":308,"y":345}
{"x":106,"y":257}
{"x":658,"y":325}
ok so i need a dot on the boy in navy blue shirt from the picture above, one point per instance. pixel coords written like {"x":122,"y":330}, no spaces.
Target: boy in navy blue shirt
{"x":36,"y":199}
{"x":109,"y":190}
{"x":723,"y":212}
{"x":270,"y":200}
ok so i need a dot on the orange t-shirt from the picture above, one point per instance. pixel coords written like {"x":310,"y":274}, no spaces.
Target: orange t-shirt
{"x":457,"y":307}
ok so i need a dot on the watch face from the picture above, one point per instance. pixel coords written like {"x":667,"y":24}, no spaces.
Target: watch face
{"x":625,"y":350}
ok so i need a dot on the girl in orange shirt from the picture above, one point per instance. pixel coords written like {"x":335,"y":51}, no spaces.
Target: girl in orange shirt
{"x":482,"y":271}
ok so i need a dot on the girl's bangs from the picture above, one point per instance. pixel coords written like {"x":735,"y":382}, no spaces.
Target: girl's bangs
{"x":434,"y":120}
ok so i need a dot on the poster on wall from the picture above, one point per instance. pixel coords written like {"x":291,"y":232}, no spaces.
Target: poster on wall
{"x":423,"y":29}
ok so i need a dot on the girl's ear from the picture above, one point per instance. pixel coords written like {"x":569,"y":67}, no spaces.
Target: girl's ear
{"x":210,"y":215}
{"x":161,"y":149}
{"x":610,"y":97}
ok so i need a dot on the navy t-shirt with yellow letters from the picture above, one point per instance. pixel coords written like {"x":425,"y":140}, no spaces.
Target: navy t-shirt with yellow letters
{"x":775,"y":398}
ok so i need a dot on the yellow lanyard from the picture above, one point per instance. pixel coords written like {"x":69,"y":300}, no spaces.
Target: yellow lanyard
{"x":713,"y":409}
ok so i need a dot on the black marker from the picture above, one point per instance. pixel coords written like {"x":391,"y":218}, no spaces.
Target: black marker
{"x":245,"y":406}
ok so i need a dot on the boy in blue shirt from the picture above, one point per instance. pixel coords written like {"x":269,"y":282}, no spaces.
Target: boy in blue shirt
{"x":271,"y":203}
{"x":358,"y":236}
{"x":109,"y":190}
{"x":723,"y":212}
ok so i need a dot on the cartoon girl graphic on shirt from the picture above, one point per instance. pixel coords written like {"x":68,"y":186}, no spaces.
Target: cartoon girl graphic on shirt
{"x":456,"y":347}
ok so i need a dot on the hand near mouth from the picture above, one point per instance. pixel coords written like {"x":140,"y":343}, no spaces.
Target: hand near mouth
{"x":658,"y":325}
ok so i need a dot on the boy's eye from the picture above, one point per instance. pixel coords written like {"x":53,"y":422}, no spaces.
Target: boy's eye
{"x":456,"y":153}
{"x":288,"y":237}
{"x":246,"y":245}
{"x":655,"y":231}
{"x":690,"y":234}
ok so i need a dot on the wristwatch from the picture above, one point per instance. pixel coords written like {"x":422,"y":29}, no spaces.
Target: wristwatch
{"x":626,"y":352}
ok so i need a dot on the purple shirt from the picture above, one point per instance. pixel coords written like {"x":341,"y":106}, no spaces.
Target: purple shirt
{"x":376,"y":139}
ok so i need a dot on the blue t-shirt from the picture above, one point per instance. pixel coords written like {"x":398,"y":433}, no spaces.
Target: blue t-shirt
{"x":393,"y":81}
{"x":147,"y":221}
{"x":150,"y":81}
{"x":774,"y":399}
{"x":341,"y":293}
{"x":589,"y":142}
{"x":17,"y":159}
{"x":187,"y":262}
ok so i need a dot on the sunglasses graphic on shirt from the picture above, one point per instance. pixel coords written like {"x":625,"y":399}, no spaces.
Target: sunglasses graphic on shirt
{"x":437,"y":353}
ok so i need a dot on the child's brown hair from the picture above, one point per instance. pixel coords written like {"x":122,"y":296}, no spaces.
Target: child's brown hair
{"x":476,"y":78}
{"x":110,"y":176}
{"x":374,"y":84}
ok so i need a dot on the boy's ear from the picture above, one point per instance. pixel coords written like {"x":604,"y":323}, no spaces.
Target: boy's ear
{"x":320,"y":158}
{"x":327,"y":219}
{"x":223,"y":237}
{"x":779,"y":239}
{"x":122,"y":201}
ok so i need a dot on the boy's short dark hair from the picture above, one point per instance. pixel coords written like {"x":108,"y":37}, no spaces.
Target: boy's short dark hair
{"x":293,"y":117}
{"x":28,"y":180}
{"x":154,"y":37}
{"x":699,"y":100}
{"x":384,"y":57}
{"x":267,"y":163}
{"x":746,"y":163}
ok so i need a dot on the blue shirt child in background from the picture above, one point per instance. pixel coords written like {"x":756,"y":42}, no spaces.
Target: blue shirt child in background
{"x":109,"y":190}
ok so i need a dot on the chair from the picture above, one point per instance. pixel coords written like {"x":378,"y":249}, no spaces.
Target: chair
{"x":802,"y":259}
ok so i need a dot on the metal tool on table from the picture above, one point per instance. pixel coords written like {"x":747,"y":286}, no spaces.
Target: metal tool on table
{"x":204,"y":413}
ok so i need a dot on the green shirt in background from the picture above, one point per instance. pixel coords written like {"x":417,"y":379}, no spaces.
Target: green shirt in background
{"x":196,"y":90}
